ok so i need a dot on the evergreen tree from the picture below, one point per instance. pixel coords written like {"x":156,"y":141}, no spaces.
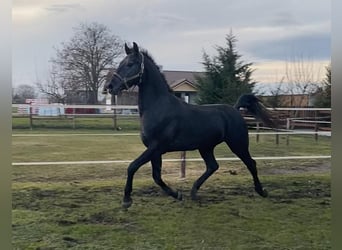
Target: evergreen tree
{"x":226,"y":76}
{"x":323,"y":94}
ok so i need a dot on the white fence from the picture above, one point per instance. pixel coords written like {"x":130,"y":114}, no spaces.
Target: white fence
{"x":168,"y":160}
{"x":312,"y":118}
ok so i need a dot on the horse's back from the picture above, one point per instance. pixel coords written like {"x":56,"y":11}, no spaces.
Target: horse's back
{"x":218,"y":121}
{"x":187,"y":127}
{"x":230,"y":117}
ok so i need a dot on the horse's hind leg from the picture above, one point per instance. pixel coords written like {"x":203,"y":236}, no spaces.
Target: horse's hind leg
{"x":212,"y":166}
{"x":156,"y":172}
{"x":243,"y":153}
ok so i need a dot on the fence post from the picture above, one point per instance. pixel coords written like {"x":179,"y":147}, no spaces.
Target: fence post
{"x":258,"y":130}
{"x":183,"y":153}
{"x":183,"y":164}
{"x":73,"y":118}
{"x":277,"y":139}
{"x":287,"y":128}
{"x":114,"y":102}
{"x":31,"y":116}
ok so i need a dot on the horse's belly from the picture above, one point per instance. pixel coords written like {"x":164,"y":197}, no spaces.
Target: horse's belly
{"x":192,"y":140}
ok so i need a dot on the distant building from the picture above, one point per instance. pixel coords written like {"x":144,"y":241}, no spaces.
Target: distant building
{"x":289,"y":101}
{"x":279,"y":95}
{"x":183,"y":84}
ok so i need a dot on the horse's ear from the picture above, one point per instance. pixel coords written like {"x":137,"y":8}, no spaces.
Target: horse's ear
{"x":135,"y":48}
{"x":128,"y":50}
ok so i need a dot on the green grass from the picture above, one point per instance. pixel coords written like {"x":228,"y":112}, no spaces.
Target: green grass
{"x":86,"y":214}
{"x":107,"y":147}
{"x":79,"y":206}
{"x":127,"y":123}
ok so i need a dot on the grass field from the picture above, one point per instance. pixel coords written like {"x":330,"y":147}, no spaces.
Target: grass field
{"x":129,"y":123}
{"x":79,"y":206}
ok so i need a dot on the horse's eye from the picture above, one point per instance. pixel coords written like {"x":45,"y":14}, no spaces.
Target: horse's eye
{"x":130,"y":64}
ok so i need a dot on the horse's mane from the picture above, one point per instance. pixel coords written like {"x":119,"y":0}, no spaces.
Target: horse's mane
{"x":148,"y":56}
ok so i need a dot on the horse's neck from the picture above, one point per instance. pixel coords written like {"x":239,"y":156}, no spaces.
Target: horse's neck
{"x":152,"y":89}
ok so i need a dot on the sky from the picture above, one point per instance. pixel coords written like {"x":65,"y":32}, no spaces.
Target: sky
{"x":270,"y":34}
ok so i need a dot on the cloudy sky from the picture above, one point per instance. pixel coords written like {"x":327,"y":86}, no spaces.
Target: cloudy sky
{"x":269,"y":33}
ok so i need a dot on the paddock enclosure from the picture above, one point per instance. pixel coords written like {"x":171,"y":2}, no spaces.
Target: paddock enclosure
{"x":68,"y":185}
{"x":42,"y":116}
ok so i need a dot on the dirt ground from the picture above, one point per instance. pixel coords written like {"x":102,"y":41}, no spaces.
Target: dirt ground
{"x":307,"y":168}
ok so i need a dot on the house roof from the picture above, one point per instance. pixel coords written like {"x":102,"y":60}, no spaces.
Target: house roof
{"x":181,"y":81}
{"x":183,"y":85}
{"x":173,"y":77}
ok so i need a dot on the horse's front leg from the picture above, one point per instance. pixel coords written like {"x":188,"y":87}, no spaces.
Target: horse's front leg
{"x":156,"y":172}
{"x":132,"y":168}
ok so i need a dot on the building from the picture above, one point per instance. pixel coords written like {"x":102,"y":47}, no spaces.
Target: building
{"x":183,"y":84}
{"x":289,"y":101}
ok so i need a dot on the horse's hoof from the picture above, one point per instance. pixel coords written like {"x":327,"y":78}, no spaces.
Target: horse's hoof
{"x":127,"y":204}
{"x":194,"y":196}
{"x":264,"y":193}
{"x":179,"y":195}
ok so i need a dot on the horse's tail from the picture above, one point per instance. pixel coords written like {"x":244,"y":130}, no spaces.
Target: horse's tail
{"x":257,"y":109}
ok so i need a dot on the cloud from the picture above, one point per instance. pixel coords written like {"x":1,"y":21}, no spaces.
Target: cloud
{"x":284,"y":18}
{"x":315,"y":46}
{"x":176,"y":32}
{"x":59,"y":8}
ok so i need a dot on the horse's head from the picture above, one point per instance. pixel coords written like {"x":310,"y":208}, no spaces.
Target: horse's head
{"x":129,"y":72}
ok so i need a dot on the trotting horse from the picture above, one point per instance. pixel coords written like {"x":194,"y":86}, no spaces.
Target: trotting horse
{"x":169,"y":124}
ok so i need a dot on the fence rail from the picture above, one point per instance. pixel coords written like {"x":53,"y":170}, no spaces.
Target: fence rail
{"x":168,"y":160}
{"x":310,"y":117}
{"x":313,"y":118}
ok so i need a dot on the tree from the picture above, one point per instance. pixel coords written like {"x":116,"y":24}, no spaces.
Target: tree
{"x":323,"y":94}
{"x":226,"y":76}
{"x":55,"y":89}
{"x":23,"y":92}
{"x":81,"y":65}
{"x":275,"y":100}
{"x":301,"y":77}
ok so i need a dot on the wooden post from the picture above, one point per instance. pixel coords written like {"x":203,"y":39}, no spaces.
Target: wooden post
{"x":183,"y":164}
{"x":73,"y":118}
{"x":183,"y":153}
{"x":31,"y":116}
{"x":114,"y":102}
{"x":316,"y":130}
{"x":287,"y":128}
{"x":257,"y":130}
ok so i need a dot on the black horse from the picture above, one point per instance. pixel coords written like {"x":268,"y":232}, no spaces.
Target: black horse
{"x":169,"y":124}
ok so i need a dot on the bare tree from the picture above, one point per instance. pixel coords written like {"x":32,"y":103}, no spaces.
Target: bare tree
{"x":302,"y":77}
{"x":81,"y":65}
{"x":274,"y":99}
{"x":56,"y":88}
{"x":23,"y":92}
